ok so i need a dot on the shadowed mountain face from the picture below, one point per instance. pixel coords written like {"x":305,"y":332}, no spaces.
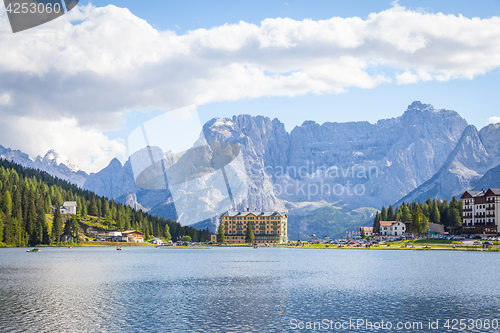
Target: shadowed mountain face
{"x":329,"y":166}
{"x":475,"y":154}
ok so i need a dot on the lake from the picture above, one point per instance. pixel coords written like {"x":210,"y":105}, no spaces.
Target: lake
{"x":147,"y":289}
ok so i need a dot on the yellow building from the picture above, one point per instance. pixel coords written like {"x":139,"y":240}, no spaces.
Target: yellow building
{"x":268,"y":227}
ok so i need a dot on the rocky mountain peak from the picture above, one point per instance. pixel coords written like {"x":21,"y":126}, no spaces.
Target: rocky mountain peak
{"x":53,"y":158}
{"x":115,"y":163}
{"x":417,"y":105}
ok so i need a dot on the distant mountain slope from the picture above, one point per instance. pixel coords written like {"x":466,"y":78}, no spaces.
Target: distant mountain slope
{"x":475,"y":154}
{"x":52,"y":163}
{"x":490,"y":179}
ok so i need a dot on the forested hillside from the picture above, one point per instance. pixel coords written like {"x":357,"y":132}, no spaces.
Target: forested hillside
{"x":26,"y":197}
{"x":432,"y":210}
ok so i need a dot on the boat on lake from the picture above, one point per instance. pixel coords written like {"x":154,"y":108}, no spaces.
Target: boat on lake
{"x":33,"y":250}
{"x":255,"y":246}
{"x":119,"y":248}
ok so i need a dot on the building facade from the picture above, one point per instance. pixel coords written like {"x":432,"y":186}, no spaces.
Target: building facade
{"x":268,"y":227}
{"x":132,"y":236}
{"x":392,"y":228}
{"x":480,"y":211}
{"x":367,"y":230}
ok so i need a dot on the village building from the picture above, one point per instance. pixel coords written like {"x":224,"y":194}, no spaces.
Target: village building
{"x":368,"y":231}
{"x":392,"y":228}
{"x":132,"y":236}
{"x":480,"y":211}
{"x":67,"y":208}
{"x":114,"y":236}
{"x":268,"y":226}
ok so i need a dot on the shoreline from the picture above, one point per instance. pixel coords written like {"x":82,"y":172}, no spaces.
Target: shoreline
{"x":383,"y":247}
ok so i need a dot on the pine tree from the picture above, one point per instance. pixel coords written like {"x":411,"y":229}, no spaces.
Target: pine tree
{"x":67,"y":227}
{"x":429,"y":201}
{"x":166,"y":233}
{"x":249,"y":236}
{"x":453,"y":217}
{"x":119,"y":218}
{"x":7,"y":204}
{"x":383,"y":214}
{"x":83,"y":213}
{"x":443,"y":211}
{"x":92,"y":209}
{"x":220,"y":234}
{"x":426,"y":210}
{"x":45,"y":235}
{"x":419,"y":223}
{"x":15,"y":233}
{"x":406,"y":214}
{"x":105,"y":208}
{"x":376,"y":224}
{"x":390,"y":214}
{"x":435,"y":215}
{"x":454,"y":203}
{"x":57,"y":226}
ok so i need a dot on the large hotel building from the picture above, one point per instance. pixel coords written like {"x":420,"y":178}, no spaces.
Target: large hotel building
{"x":268,"y":227}
{"x":481,"y":211}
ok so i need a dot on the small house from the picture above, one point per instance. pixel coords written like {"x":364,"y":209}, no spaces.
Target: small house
{"x":132,"y":236}
{"x":367,"y":230}
{"x":392,"y":228}
{"x":68,"y":208}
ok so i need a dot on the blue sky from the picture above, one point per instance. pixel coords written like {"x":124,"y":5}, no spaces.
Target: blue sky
{"x":83,"y":82}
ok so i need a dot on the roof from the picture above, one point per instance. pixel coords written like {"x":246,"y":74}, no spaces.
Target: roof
{"x":474,"y":194}
{"x":255,"y":213}
{"x":370,"y":229}
{"x":132,"y":232}
{"x":471,"y":194}
{"x":388,"y":223}
{"x":69,"y":204}
{"x":495,"y":191}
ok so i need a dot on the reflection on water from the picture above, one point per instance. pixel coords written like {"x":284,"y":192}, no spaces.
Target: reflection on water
{"x":239,"y":289}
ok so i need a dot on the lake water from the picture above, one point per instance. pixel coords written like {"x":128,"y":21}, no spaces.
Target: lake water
{"x":151,"y":289}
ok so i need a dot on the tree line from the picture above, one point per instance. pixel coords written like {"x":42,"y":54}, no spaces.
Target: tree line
{"x":420,"y":214}
{"x":28,"y":195}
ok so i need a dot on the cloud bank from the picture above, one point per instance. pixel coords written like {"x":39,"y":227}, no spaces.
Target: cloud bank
{"x":95,"y":64}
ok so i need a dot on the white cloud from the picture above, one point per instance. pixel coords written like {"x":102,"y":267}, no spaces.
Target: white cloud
{"x":99,"y":63}
{"x":89,"y":149}
{"x":406,"y":78}
{"x":494,"y":120}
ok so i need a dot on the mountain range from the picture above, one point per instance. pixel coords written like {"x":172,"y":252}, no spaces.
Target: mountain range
{"x":52,"y":163}
{"x":330,"y":177}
